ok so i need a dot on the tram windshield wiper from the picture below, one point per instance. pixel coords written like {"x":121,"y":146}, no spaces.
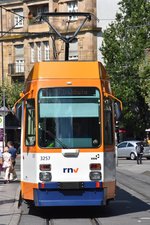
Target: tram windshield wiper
{"x":57,"y":140}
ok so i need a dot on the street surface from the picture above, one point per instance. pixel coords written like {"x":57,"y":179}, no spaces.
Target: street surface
{"x":132,"y":204}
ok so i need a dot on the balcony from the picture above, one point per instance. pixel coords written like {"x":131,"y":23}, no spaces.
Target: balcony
{"x":16,"y":69}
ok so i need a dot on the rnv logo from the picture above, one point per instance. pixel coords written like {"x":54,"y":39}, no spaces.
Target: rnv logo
{"x":70,"y":170}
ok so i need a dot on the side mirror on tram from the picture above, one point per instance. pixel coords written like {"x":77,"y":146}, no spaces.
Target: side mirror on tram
{"x":18,"y":112}
{"x":117,"y":107}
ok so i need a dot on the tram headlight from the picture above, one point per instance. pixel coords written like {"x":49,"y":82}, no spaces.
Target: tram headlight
{"x":45,"y":176}
{"x":95,"y":175}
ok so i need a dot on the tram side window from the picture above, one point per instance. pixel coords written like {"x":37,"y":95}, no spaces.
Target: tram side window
{"x":108,"y":122}
{"x":30,"y":123}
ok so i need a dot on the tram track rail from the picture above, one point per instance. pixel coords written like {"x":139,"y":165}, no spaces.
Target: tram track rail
{"x":135,"y":185}
{"x":40,"y":216}
{"x":147,"y":182}
{"x":96,"y":221}
{"x":90,"y":221}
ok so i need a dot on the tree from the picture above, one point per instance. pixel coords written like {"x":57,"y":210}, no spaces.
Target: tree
{"x":12,"y":92}
{"x":123,"y":49}
{"x":144,"y":73}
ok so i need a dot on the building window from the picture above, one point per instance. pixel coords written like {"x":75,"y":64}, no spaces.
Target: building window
{"x":42,"y":9}
{"x":37,"y":10}
{"x":19,"y":58}
{"x":18,"y":18}
{"x":19,"y":65}
{"x":46,"y":51}
{"x":73,"y":50}
{"x":39,"y":52}
{"x":72,"y":7}
{"x":32,"y":53}
{"x":18,"y":79}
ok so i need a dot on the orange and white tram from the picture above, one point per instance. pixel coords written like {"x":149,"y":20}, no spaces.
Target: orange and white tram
{"x":68,"y":135}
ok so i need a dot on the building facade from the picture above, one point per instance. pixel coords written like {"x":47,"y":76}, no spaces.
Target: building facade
{"x":21,"y":49}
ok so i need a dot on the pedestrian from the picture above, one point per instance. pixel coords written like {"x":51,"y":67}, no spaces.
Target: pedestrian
{"x":7,"y":164}
{"x":139,"y":150}
{"x":13,"y":152}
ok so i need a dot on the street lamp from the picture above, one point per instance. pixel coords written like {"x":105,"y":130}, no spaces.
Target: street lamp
{"x":3,"y":109}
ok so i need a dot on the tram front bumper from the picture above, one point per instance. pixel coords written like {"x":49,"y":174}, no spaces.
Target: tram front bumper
{"x":73,"y":194}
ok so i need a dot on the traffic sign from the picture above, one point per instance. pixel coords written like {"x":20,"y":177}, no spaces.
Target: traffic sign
{"x":1,"y":122}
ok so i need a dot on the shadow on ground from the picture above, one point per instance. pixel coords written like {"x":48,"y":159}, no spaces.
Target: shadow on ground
{"x":125,"y":203}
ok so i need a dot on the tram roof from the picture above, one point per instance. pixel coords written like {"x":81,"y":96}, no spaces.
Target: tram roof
{"x":67,"y":69}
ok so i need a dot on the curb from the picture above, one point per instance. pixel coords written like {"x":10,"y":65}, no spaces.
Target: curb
{"x":16,"y":212}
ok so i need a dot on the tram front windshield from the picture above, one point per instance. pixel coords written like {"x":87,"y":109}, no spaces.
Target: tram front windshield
{"x":69,"y":117}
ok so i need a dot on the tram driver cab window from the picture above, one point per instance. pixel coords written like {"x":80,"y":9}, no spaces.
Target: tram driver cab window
{"x":30,"y":123}
{"x":69,"y":117}
{"x":108,"y":122}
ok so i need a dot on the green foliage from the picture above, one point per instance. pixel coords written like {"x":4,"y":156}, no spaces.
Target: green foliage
{"x":11,"y":92}
{"x":144,"y":73}
{"x":123,"y":49}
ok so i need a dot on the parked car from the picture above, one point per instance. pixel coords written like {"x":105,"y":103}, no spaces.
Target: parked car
{"x":127,"y":149}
